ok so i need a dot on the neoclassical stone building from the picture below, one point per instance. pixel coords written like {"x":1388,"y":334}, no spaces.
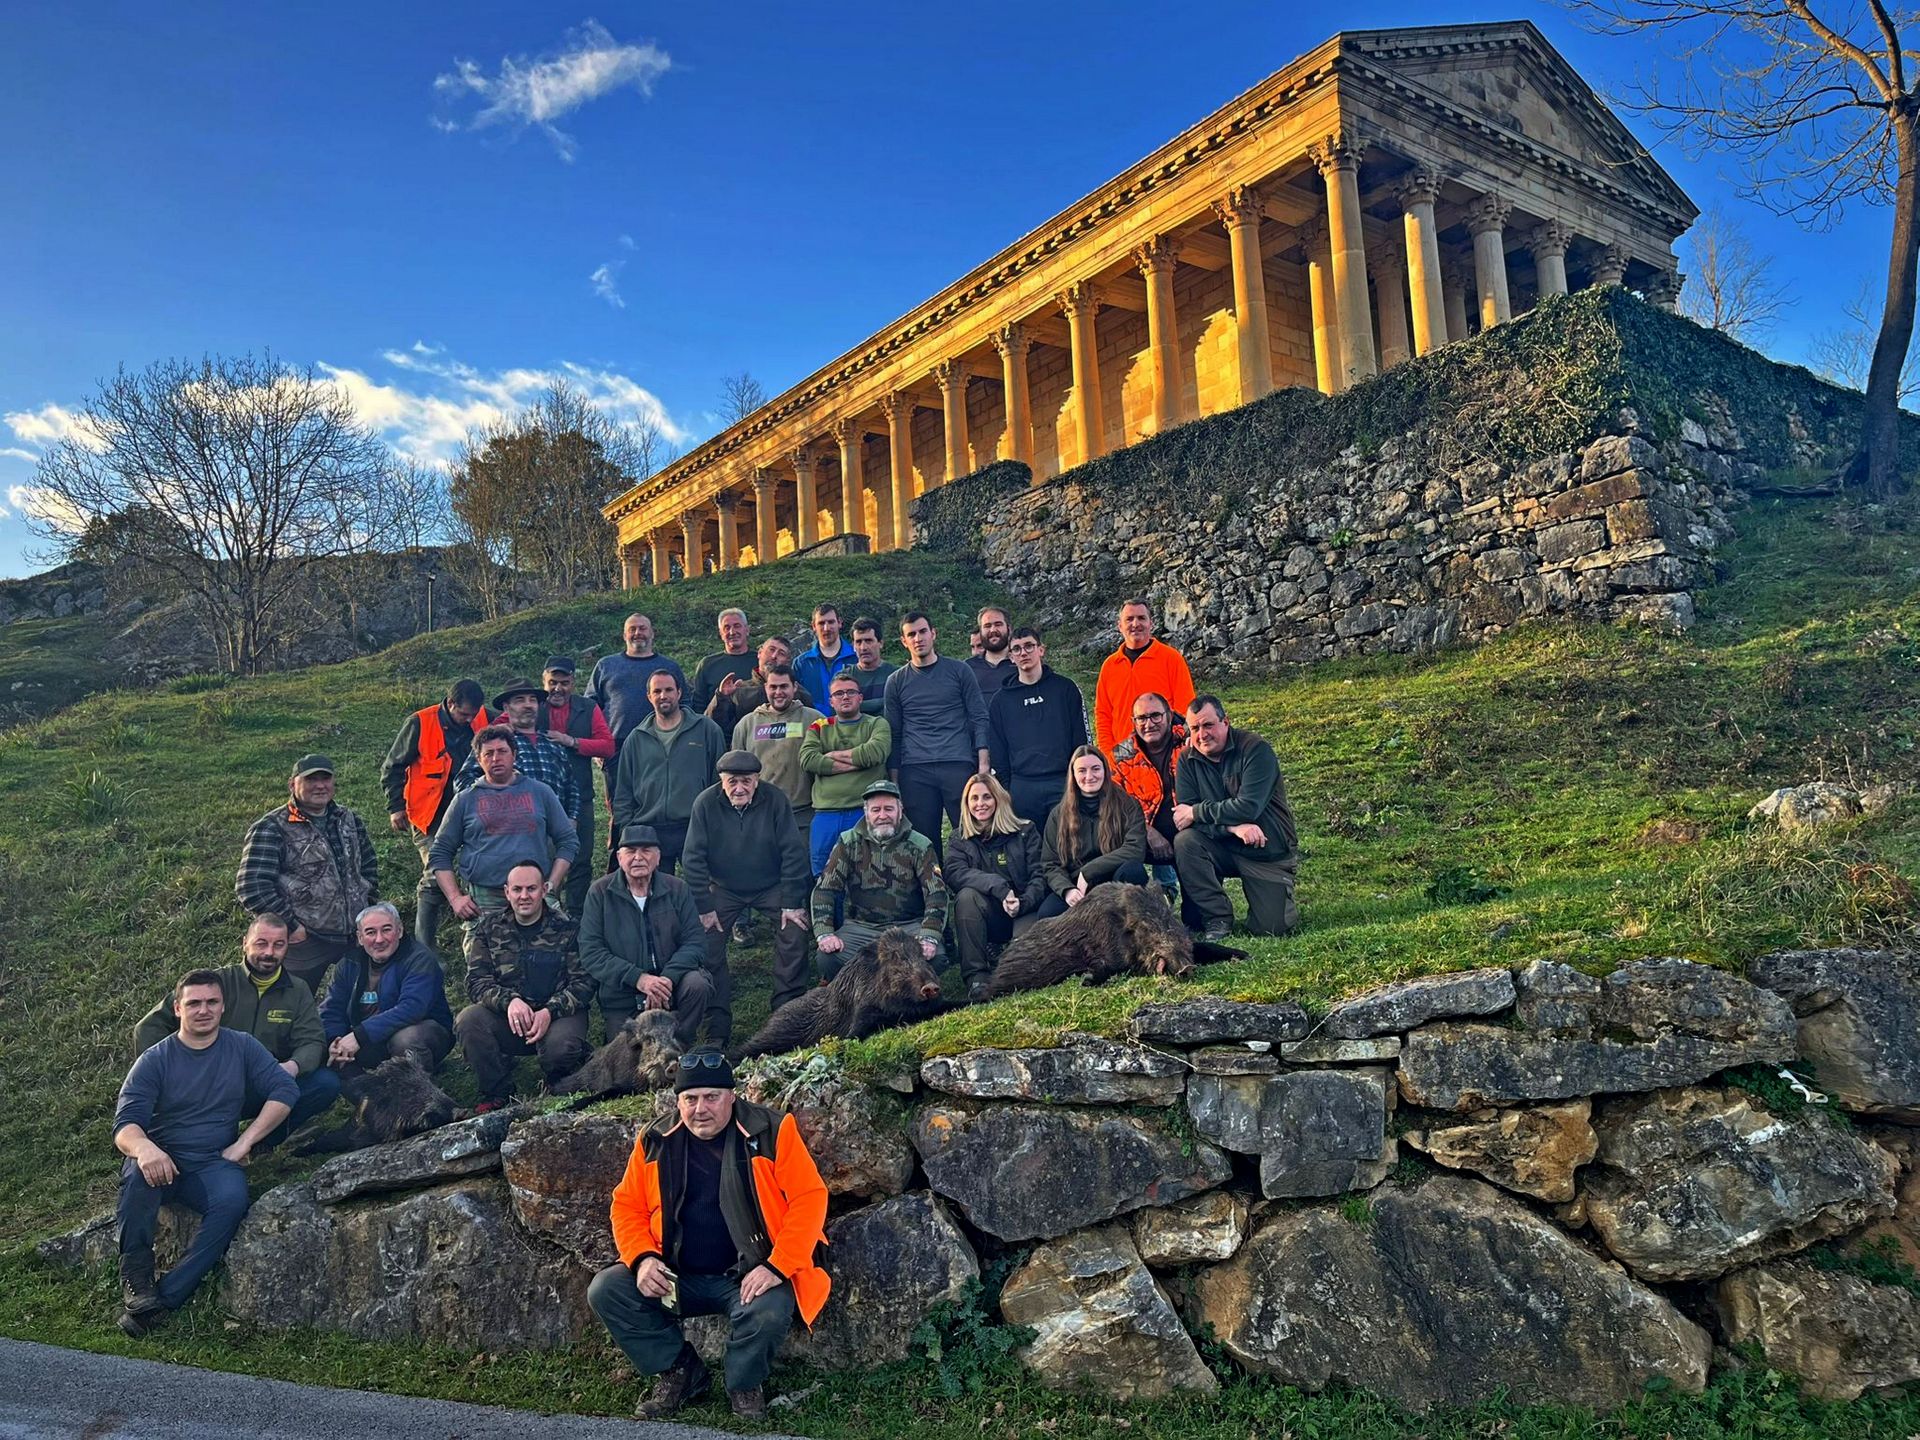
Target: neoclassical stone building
{"x":1380,"y":196}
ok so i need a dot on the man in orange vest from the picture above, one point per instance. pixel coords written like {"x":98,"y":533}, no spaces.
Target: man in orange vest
{"x":1140,"y":664}
{"x":418,"y":777}
{"x":718,"y":1214}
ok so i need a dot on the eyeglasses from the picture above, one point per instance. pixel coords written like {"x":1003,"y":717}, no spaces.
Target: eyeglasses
{"x":1154,"y":719}
{"x":703,"y":1060}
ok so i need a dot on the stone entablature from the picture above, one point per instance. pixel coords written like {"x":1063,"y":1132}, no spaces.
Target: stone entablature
{"x":1387,"y":193}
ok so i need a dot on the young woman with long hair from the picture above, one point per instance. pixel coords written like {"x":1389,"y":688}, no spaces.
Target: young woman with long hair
{"x":1096,"y":833}
{"x":993,"y":869}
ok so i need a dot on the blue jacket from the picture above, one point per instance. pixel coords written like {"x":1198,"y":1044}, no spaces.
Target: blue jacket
{"x":813,"y":672}
{"x":410,"y":988}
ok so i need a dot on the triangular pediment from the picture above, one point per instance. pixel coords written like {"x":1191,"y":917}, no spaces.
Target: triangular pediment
{"x":1507,"y":75}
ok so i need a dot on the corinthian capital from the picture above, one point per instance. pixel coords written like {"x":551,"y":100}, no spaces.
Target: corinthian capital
{"x":1011,"y":341}
{"x":1242,"y":205}
{"x":1487,"y":213}
{"x":949,"y":373}
{"x":802,"y":459}
{"x":1550,"y":237}
{"x":1342,"y":150}
{"x":1419,"y":186}
{"x":897,"y":406}
{"x":1080,"y":300}
{"x":1156,"y":255}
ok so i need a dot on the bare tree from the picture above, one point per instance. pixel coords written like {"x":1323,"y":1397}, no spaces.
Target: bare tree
{"x":1728,"y":286}
{"x":229,"y":477}
{"x":1845,"y":354}
{"x":740,"y":396}
{"x":1815,"y":100}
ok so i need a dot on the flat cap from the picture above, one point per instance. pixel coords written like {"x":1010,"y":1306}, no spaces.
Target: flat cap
{"x":739,"y":762}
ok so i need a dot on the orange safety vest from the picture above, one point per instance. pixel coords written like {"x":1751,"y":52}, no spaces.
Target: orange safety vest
{"x":432,"y":771}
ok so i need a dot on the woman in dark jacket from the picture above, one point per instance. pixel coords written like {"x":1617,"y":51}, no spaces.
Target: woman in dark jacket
{"x":1096,"y":833}
{"x":994,"y":872}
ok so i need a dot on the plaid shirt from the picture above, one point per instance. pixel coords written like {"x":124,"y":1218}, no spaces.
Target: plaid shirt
{"x":263,"y":857}
{"x":534,"y":758}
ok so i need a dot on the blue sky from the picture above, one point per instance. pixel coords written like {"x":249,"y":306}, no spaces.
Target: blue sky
{"x":445,"y":204}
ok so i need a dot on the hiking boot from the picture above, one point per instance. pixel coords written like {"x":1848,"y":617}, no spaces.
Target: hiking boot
{"x":749,"y":1404}
{"x":976,"y":992}
{"x":1217,"y":931}
{"x":683,"y":1382}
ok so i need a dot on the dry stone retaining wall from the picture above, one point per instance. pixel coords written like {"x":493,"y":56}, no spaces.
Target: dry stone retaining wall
{"x":1530,"y":1182}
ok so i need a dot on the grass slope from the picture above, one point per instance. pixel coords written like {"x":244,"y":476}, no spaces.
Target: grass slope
{"x":1593,"y":779}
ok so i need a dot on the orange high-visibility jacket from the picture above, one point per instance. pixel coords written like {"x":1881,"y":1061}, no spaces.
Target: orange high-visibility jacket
{"x":787,"y":1187}
{"x":431,"y":773}
{"x":1160,"y":670}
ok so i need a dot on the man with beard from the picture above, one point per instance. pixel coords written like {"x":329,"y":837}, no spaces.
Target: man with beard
{"x":882,"y":872}
{"x":665,"y":764}
{"x":260,"y":998}
{"x":731,"y":701}
{"x":991,"y":665}
{"x":388,"y":998}
{"x":1144,"y":765}
{"x":619,"y":683}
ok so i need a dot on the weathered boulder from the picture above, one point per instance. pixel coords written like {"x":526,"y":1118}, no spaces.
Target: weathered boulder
{"x":1319,"y":1050}
{"x":1804,"y":809}
{"x":1209,"y":1020}
{"x":560,"y":1172}
{"x":1317,"y":1132}
{"x":1689,"y":1184}
{"x":1840,"y":1334}
{"x":447,"y":1265}
{"x":891,"y":1263}
{"x":466,"y":1147}
{"x":1859,"y":1017}
{"x":1409,"y":1003}
{"x":1102,"y":1320}
{"x":1450,"y":1293}
{"x":1650,"y":1024}
{"x":1024,"y":1172}
{"x":1239,"y":1059}
{"x":856,"y":1135}
{"x":1534,"y":1151}
{"x":1086,"y":1070}
{"x":1200,"y":1231}
{"x":97,"y":1242}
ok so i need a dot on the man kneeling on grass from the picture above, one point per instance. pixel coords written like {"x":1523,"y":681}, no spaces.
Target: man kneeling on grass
{"x":718,"y":1214}
{"x":176,"y":1119}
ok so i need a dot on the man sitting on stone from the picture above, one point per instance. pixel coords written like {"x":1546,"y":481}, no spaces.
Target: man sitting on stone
{"x":176,"y":1123}
{"x":534,"y":755}
{"x":529,"y":993}
{"x":259,"y":998}
{"x":311,"y":861}
{"x":743,"y":850}
{"x":505,"y":818}
{"x":774,"y":730}
{"x":388,"y":998}
{"x":718,"y":1213}
{"x":882,"y":872}
{"x":1230,"y":807}
{"x":640,"y":939}
{"x":1144,"y":765}
{"x":844,"y":753}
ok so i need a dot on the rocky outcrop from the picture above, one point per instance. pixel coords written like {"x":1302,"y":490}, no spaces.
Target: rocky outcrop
{"x":560,"y":1170}
{"x":1840,"y":1334}
{"x":1533,"y":1151}
{"x":1317,"y":1132}
{"x":447,"y":1265}
{"x":1209,"y":1020}
{"x":1085,"y":1070}
{"x":1689,"y":1184}
{"x":891,"y":1263}
{"x":466,"y":1147}
{"x":1409,"y":1003}
{"x":1102,"y":1320}
{"x":1023,"y":1172}
{"x":1650,"y":1024}
{"x":1858,"y":1013}
{"x":856,"y":1135}
{"x":1449,"y":1293}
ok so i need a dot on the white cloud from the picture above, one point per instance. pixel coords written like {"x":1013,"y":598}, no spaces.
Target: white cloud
{"x":14,"y":452}
{"x":51,"y":424}
{"x":36,"y":504}
{"x":537,"y":92}
{"x":430,"y":413}
{"x":606,"y":284}
{"x":626,"y":243}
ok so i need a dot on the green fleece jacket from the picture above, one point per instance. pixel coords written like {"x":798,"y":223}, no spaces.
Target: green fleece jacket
{"x":284,"y":1019}
{"x":869,"y":737}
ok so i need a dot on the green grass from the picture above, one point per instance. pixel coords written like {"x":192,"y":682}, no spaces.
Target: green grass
{"x":48,"y":664}
{"x":1594,"y":779}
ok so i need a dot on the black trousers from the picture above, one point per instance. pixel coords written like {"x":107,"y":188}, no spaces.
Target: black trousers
{"x":927,"y":791}
{"x":491,"y":1048}
{"x":649,"y":1334}
{"x":1203,"y":860}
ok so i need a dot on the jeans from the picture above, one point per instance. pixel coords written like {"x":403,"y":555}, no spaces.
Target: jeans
{"x":649,"y":1334}
{"x":828,"y":826}
{"x":318,"y":1090}
{"x":217,"y":1191}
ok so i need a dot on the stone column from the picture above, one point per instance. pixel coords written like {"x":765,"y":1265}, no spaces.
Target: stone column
{"x":1239,"y":210}
{"x":806,"y":500}
{"x":1417,"y":192}
{"x":1326,"y":326}
{"x":1081,"y":303}
{"x":951,"y":377}
{"x":765,"y":497}
{"x":1338,"y":159}
{"x":851,"y":435}
{"x":1664,"y":289}
{"x":1486,"y":221}
{"x":727,"y":506}
{"x":1458,"y":279}
{"x":1548,"y":242}
{"x":1155,"y":261}
{"x":1611,"y":267}
{"x":692,"y":562}
{"x":1390,"y":297}
{"x":1012,"y":343}
{"x":894,"y":517}
{"x":662,"y":559}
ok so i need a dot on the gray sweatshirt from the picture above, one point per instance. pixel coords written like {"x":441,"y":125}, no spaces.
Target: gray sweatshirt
{"x":936,"y":714}
{"x":494,"y":827}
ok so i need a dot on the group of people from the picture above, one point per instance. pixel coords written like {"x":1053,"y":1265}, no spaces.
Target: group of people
{"x":728,"y":795}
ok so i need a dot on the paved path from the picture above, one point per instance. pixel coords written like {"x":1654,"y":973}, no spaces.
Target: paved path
{"x":52,"y":1394}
